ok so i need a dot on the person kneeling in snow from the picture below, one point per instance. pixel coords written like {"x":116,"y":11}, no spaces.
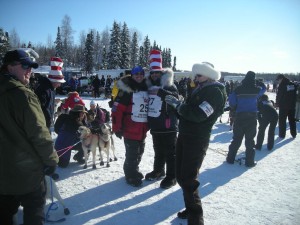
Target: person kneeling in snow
{"x":66,"y":127}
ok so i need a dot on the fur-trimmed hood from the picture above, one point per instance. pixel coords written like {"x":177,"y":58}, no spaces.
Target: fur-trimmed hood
{"x":127,"y":84}
{"x":166,"y":80}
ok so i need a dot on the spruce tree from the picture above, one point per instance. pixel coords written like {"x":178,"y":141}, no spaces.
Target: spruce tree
{"x":125,"y":48}
{"x":174,"y":64}
{"x":141,"y":56}
{"x":134,"y":51}
{"x":114,"y":54}
{"x":88,"y":53}
{"x":97,"y":51}
{"x":58,"y":45}
{"x":4,"y":44}
{"x":146,"y":52}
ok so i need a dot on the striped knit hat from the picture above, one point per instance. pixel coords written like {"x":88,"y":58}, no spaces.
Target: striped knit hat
{"x":155,"y":60}
{"x":55,"y":74}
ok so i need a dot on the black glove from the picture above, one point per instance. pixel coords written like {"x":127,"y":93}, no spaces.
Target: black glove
{"x":49,"y":170}
{"x":110,"y":104}
{"x":119,"y":134}
{"x":172,"y":101}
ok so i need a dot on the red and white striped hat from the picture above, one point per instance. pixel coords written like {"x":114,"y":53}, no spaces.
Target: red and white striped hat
{"x":55,"y":74}
{"x":155,"y":60}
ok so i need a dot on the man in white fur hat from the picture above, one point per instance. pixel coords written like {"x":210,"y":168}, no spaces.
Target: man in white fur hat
{"x":197,"y":116}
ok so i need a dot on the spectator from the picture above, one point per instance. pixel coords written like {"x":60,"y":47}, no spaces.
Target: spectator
{"x":102,"y":81}
{"x":267,"y":115}
{"x":26,"y":145}
{"x":196,"y":118}
{"x":297,"y":112}
{"x":66,"y":127}
{"x":101,"y":115}
{"x":45,"y":89}
{"x":72,"y":100}
{"x":286,"y":102}
{"x":129,"y":120}
{"x":73,"y":83}
{"x":162,"y":120}
{"x":96,"y":86}
{"x":244,"y":100}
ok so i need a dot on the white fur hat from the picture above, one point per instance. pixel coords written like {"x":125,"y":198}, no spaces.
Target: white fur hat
{"x":206,"y":69}
{"x":55,"y":74}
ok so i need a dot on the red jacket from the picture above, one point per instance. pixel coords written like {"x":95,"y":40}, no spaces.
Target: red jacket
{"x":129,"y":112}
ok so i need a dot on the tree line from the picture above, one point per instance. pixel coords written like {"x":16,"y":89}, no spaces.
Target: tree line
{"x":117,"y":48}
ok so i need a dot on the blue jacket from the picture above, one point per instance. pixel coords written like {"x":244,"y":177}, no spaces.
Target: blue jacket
{"x":244,"y":97}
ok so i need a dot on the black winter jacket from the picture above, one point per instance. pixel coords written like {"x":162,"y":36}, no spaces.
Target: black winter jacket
{"x":286,"y":94}
{"x":165,"y":119}
{"x":201,"y":110}
{"x":46,"y":95}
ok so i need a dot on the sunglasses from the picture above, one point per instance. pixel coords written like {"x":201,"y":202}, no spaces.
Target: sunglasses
{"x":155,"y":72}
{"x":139,"y":74}
{"x":198,"y":75}
{"x":24,"y":66}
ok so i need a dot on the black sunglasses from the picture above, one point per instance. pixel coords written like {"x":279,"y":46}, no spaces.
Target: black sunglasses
{"x":154,"y":72}
{"x":198,"y":75}
{"x":24,"y":66}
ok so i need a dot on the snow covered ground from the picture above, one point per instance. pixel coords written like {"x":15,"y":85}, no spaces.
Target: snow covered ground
{"x":267,"y":194}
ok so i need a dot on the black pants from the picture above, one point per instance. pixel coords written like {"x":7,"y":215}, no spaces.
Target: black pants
{"x":190,"y":153}
{"x":96,"y":92}
{"x":290,"y":115}
{"x":244,"y":125}
{"x":134,"y":152}
{"x":33,"y":207}
{"x":164,"y":152}
{"x":271,"y":132}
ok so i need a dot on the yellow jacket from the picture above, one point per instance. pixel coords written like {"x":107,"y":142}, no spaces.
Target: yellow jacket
{"x":115,"y":90}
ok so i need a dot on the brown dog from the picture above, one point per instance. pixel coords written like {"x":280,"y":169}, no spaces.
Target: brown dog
{"x":106,"y":143}
{"x":90,"y":142}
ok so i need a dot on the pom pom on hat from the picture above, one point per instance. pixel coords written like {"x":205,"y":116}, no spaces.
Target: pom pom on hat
{"x":155,"y":60}
{"x":206,"y":69}
{"x":55,"y":74}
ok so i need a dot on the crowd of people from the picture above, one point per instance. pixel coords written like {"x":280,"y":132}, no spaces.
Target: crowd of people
{"x":95,"y":85}
{"x":179,"y":116}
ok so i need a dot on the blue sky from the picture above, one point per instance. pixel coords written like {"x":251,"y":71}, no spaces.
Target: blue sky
{"x":234,"y":35}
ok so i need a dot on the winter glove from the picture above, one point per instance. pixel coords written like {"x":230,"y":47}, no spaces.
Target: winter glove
{"x":49,"y":170}
{"x":172,"y":101}
{"x":119,"y":134}
{"x":110,"y":104}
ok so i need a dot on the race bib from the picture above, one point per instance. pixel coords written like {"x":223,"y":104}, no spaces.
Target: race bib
{"x":206,"y":107}
{"x":140,"y":107}
{"x":155,"y":104}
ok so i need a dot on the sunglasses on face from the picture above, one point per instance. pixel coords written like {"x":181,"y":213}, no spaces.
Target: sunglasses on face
{"x":139,"y":74}
{"x":198,"y":75}
{"x":155,"y":72}
{"x":24,"y":66}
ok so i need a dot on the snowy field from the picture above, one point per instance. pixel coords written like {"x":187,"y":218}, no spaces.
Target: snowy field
{"x":267,"y":194}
